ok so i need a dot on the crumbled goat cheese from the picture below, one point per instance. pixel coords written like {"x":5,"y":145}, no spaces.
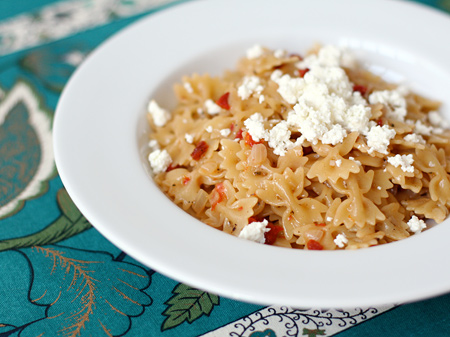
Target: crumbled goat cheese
{"x":279,"y":53}
{"x":341,"y":240}
{"x":189,"y":138}
{"x":414,"y":138}
{"x":394,"y":100}
{"x":405,"y":161}
{"x":153,"y":144}
{"x":378,"y":138}
{"x":188,"y":87}
{"x":159,"y":160}
{"x":276,"y":75}
{"x":261,"y":98}
{"x":354,"y":160}
{"x":254,"y":52}
{"x":335,"y":135}
{"x":255,"y":127}
{"x":255,"y":231}
{"x":160,"y":116}
{"x":423,"y":129}
{"x":416,"y":225}
{"x":436,"y":120}
{"x":325,"y":106}
{"x":225,"y":132}
{"x":249,"y":86}
{"x":211,"y":107}
{"x":209,"y":128}
{"x":279,"y":138}
{"x":338,"y":162}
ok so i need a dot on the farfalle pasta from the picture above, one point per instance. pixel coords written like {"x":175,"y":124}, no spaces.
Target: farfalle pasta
{"x":307,"y":153}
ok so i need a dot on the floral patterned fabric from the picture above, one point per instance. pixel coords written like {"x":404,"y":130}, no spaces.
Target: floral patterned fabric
{"x":59,"y":276}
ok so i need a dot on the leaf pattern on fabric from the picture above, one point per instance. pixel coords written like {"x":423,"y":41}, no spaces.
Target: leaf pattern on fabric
{"x":86,"y":293}
{"x":26,"y":158}
{"x":187,"y":304}
{"x":53,"y":66}
{"x":70,"y":222}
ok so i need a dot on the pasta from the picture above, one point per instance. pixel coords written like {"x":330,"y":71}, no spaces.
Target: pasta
{"x":307,"y":153}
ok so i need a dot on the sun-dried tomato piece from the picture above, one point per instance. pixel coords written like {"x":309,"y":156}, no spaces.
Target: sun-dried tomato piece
{"x":271,"y":236}
{"x":223,"y":101}
{"x":314,"y":245}
{"x":186,"y":180}
{"x":302,"y":72}
{"x":361,"y":88}
{"x":218,"y":195}
{"x":249,"y":140}
{"x":199,"y":150}
{"x":379,"y":122}
{"x":172,"y":167}
{"x":239,"y":134}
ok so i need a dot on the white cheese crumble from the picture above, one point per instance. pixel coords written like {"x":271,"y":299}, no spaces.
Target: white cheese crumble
{"x":378,"y":138}
{"x":325,"y":106}
{"x":414,"y":138}
{"x":209,"y":128}
{"x":188,"y":87}
{"x":255,"y":231}
{"x":405,"y":161}
{"x":279,"y":53}
{"x":255,"y":52}
{"x":279,"y":138}
{"x":153,"y":144}
{"x":338,"y":162}
{"x":416,"y":225}
{"x":160,"y":116}
{"x":261,"y":98}
{"x":255,"y":127}
{"x":436,"y":120}
{"x":341,"y":240}
{"x":211,"y":107}
{"x":225,"y":132}
{"x":422,"y":128}
{"x":249,"y":86}
{"x":394,"y":101}
{"x":189,"y":138}
{"x":354,"y":160}
{"x":159,"y":160}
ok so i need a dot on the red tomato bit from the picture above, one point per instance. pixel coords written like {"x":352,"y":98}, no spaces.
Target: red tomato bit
{"x":172,"y":167}
{"x":249,"y":140}
{"x":380,"y":122}
{"x":218,"y":195}
{"x":239,"y":134}
{"x":322,"y":224}
{"x":271,"y":236}
{"x":361,"y":88}
{"x":302,"y":72}
{"x":200,"y":150}
{"x":223,"y":101}
{"x":314,"y":245}
{"x":186,"y":180}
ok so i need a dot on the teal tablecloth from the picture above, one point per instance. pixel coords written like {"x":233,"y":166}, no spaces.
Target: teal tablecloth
{"x":58,"y":275}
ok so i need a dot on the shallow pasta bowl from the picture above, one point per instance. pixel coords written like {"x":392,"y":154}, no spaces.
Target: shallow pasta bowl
{"x":100,"y":138}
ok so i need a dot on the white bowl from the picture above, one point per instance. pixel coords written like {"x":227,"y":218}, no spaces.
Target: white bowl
{"x":100,"y":132}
